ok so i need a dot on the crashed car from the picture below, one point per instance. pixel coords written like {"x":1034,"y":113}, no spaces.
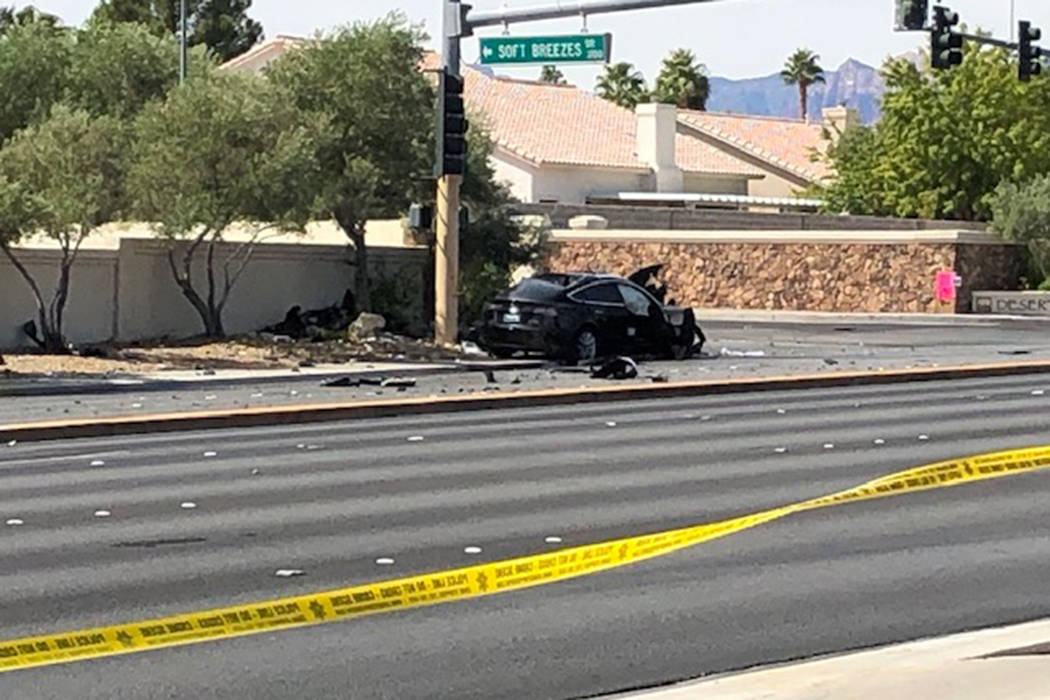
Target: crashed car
{"x":580,"y":316}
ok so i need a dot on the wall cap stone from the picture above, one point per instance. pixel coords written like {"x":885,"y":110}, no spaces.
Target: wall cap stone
{"x":780,"y":237}
{"x":588,"y":221}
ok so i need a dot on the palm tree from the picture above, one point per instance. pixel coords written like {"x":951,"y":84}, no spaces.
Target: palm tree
{"x":683,"y":81}
{"x":552,"y":75}
{"x":803,"y":70}
{"x":622,"y":85}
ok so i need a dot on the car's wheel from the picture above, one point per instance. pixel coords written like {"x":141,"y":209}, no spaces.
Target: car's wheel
{"x":585,"y":347}
{"x":501,"y":353}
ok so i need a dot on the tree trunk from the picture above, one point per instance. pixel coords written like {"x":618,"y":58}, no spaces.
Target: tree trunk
{"x":355,"y":231}
{"x":50,"y":338}
{"x":362,"y":288}
{"x":211,"y":317}
{"x":803,"y":100}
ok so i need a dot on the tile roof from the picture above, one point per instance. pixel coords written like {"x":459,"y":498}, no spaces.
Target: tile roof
{"x":785,"y":143}
{"x":563,"y":125}
{"x":265,"y":51}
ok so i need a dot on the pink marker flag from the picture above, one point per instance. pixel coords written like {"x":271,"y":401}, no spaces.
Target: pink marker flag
{"x":945,"y":285}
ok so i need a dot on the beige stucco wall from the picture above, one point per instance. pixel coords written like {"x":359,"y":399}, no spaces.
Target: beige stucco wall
{"x":129,"y":293}
{"x":90,"y":311}
{"x":774,"y":185}
{"x":705,"y":184}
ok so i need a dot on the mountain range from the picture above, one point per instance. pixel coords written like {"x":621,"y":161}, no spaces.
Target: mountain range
{"x":853,"y":84}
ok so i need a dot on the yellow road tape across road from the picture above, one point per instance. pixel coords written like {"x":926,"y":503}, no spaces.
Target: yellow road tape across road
{"x":473,"y":581}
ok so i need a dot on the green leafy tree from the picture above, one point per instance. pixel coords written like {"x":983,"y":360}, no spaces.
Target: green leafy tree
{"x":222,"y":149}
{"x":621,"y":84}
{"x":803,"y":69}
{"x":495,"y":243}
{"x":61,"y":178}
{"x":1021,"y":214}
{"x":365,"y":80}
{"x":682,"y":81}
{"x":9,"y":17}
{"x":34,"y":73}
{"x":945,"y":142}
{"x":552,"y":75}
{"x":117,"y":68}
{"x":223,"y":26}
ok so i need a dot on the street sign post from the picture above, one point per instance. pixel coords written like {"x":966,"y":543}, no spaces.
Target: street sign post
{"x":546,"y":50}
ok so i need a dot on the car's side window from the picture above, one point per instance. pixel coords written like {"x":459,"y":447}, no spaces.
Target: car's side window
{"x":637,"y":302}
{"x":599,"y":294}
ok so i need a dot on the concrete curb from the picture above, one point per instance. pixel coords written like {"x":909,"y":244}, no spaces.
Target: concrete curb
{"x":327,"y":412}
{"x":68,"y":386}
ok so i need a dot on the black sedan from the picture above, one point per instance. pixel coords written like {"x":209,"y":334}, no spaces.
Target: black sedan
{"x":583,"y":316}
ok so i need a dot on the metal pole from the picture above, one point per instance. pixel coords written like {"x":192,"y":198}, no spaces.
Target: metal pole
{"x":567,"y":9}
{"x":182,"y":41}
{"x":455,"y":26}
{"x":446,"y":253}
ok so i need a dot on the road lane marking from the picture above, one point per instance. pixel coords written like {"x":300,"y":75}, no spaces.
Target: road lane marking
{"x":480,"y":579}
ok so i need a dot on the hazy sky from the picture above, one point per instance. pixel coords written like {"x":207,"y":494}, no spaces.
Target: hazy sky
{"x":716,"y":32}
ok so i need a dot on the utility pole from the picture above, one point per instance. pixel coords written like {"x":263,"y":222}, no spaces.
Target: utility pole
{"x":182,"y":41}
{"x":457,"y":22}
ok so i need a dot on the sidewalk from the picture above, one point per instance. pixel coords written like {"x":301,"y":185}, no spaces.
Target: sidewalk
{"x":1006,"y":662}
{"x":831,"y":317}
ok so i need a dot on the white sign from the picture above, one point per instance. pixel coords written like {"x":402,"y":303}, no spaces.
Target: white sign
{"x":1012,"y":303}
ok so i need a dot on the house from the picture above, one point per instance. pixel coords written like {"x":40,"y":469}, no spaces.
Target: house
{"x":558,"y":143}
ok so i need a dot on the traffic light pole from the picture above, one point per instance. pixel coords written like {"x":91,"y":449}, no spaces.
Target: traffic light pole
{"x":458,"y":22}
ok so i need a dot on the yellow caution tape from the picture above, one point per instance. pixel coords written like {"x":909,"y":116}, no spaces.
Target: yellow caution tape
{"x":473,"y":581}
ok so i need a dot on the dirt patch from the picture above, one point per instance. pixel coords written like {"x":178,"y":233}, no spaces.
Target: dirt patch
{"x":257,"y":352}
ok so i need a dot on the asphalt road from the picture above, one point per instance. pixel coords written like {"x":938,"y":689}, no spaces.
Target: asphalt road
{"x":734,"y":350}
{"x":331,"y":499}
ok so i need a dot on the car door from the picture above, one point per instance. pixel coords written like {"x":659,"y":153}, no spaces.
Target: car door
{"x":646,"y":324}
{"x":604,"y":308}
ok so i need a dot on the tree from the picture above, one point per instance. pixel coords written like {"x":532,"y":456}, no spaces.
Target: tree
{"x":621,"y":84}
{"x":802,"y":69}
{"x":26,"y":16}
{"x":117,"y":68}
{"x":62,"y":179}
{"x":551,"y":74}
{"x":945,"y":142}
{"x":1021,"y":214}
{"x":682,"y":81}
{"x":365,"y":80}
{"x":494,"y":243}
{"x":223,"y":26}
{"x":223,"y":149}
{"x":34,"y":73}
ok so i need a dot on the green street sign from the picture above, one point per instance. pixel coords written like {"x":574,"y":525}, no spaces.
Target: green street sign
{"x":546,"y":50}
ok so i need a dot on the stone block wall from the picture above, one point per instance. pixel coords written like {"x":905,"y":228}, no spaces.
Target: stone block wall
{"x":874,"y":273}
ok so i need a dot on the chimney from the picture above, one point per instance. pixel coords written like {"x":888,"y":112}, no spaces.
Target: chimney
{"x":838,"y":119}
{"x":657,"y":133}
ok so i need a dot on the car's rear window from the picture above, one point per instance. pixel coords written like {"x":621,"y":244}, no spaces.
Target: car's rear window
{"x":536,"y":289}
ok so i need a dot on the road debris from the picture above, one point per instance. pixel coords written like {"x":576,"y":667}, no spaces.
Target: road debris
{"x":384,"y":561}
{"x":288,"y":573}
{"x":15,"y":522}
{"x":102,"y":513}
{"x":553,"y":539}
{"x":416,"y":438}
{"x":97,"y":463}
{"x":187,"y":505}
{"x":472,"y":550}
{"x":619,"y":368}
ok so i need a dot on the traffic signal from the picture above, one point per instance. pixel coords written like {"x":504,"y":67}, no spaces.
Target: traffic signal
{"x":946,"y":44}
{"x":451,"y":126}
{"x":1029,"y":56}
{"x":911,"y":14}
